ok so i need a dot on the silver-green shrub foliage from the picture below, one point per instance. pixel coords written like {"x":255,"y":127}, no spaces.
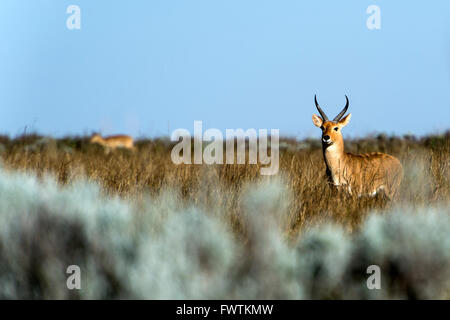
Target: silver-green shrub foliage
{"x":161,"y":250}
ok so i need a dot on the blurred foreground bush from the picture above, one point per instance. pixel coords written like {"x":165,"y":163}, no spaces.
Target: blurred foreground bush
{"x":158,"y":248}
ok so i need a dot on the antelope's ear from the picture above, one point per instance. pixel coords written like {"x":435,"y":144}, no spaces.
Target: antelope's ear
{"x":317,"y":120}
{"x":345,"y":120}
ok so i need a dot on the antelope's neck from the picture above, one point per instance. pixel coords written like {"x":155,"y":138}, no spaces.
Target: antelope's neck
{"x":335,"y":161}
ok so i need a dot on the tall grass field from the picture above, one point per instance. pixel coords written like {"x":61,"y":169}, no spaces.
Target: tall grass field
{"x":140,"y":226}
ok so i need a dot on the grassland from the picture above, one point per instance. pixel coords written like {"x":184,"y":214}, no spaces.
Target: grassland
{"x":149,"y":170}
{"x":140,"y":226}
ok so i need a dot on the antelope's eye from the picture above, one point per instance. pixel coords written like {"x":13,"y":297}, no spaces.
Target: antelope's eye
{"x":336,"y":128}
{"x":322,"y":128}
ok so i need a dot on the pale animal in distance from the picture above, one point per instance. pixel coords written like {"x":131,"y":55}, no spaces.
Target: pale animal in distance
{"x":360,"y":174}
{"x":113,"y":142}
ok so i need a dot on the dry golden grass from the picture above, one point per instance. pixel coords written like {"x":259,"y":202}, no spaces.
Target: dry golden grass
{"x":149,"y":171}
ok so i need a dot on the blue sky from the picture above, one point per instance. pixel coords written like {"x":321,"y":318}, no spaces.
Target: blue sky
{"x":148,"y":67}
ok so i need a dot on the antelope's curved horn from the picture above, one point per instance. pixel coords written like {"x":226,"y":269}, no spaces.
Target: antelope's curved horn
{"x":339,"y":116}
{"x":324,"y":116}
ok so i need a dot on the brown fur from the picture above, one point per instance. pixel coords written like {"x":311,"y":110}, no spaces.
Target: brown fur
{"x":360,"y":174}
{"x":113,"y":142}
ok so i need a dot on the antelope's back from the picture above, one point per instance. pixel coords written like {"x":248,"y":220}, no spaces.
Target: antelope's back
{"x":376,"y":169}
{"x":119,"y":141}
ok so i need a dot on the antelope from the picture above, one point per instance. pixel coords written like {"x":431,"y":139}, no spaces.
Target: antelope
{"x":113,"y":142}
{"x":363,"y":174}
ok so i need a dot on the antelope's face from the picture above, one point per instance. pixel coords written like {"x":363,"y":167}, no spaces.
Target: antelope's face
{"x":331,"y":129}
{"x":331,"y":132}
{"x":95,"y":138}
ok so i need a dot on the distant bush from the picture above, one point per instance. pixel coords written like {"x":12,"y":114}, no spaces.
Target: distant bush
{"x":165,"y":248}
